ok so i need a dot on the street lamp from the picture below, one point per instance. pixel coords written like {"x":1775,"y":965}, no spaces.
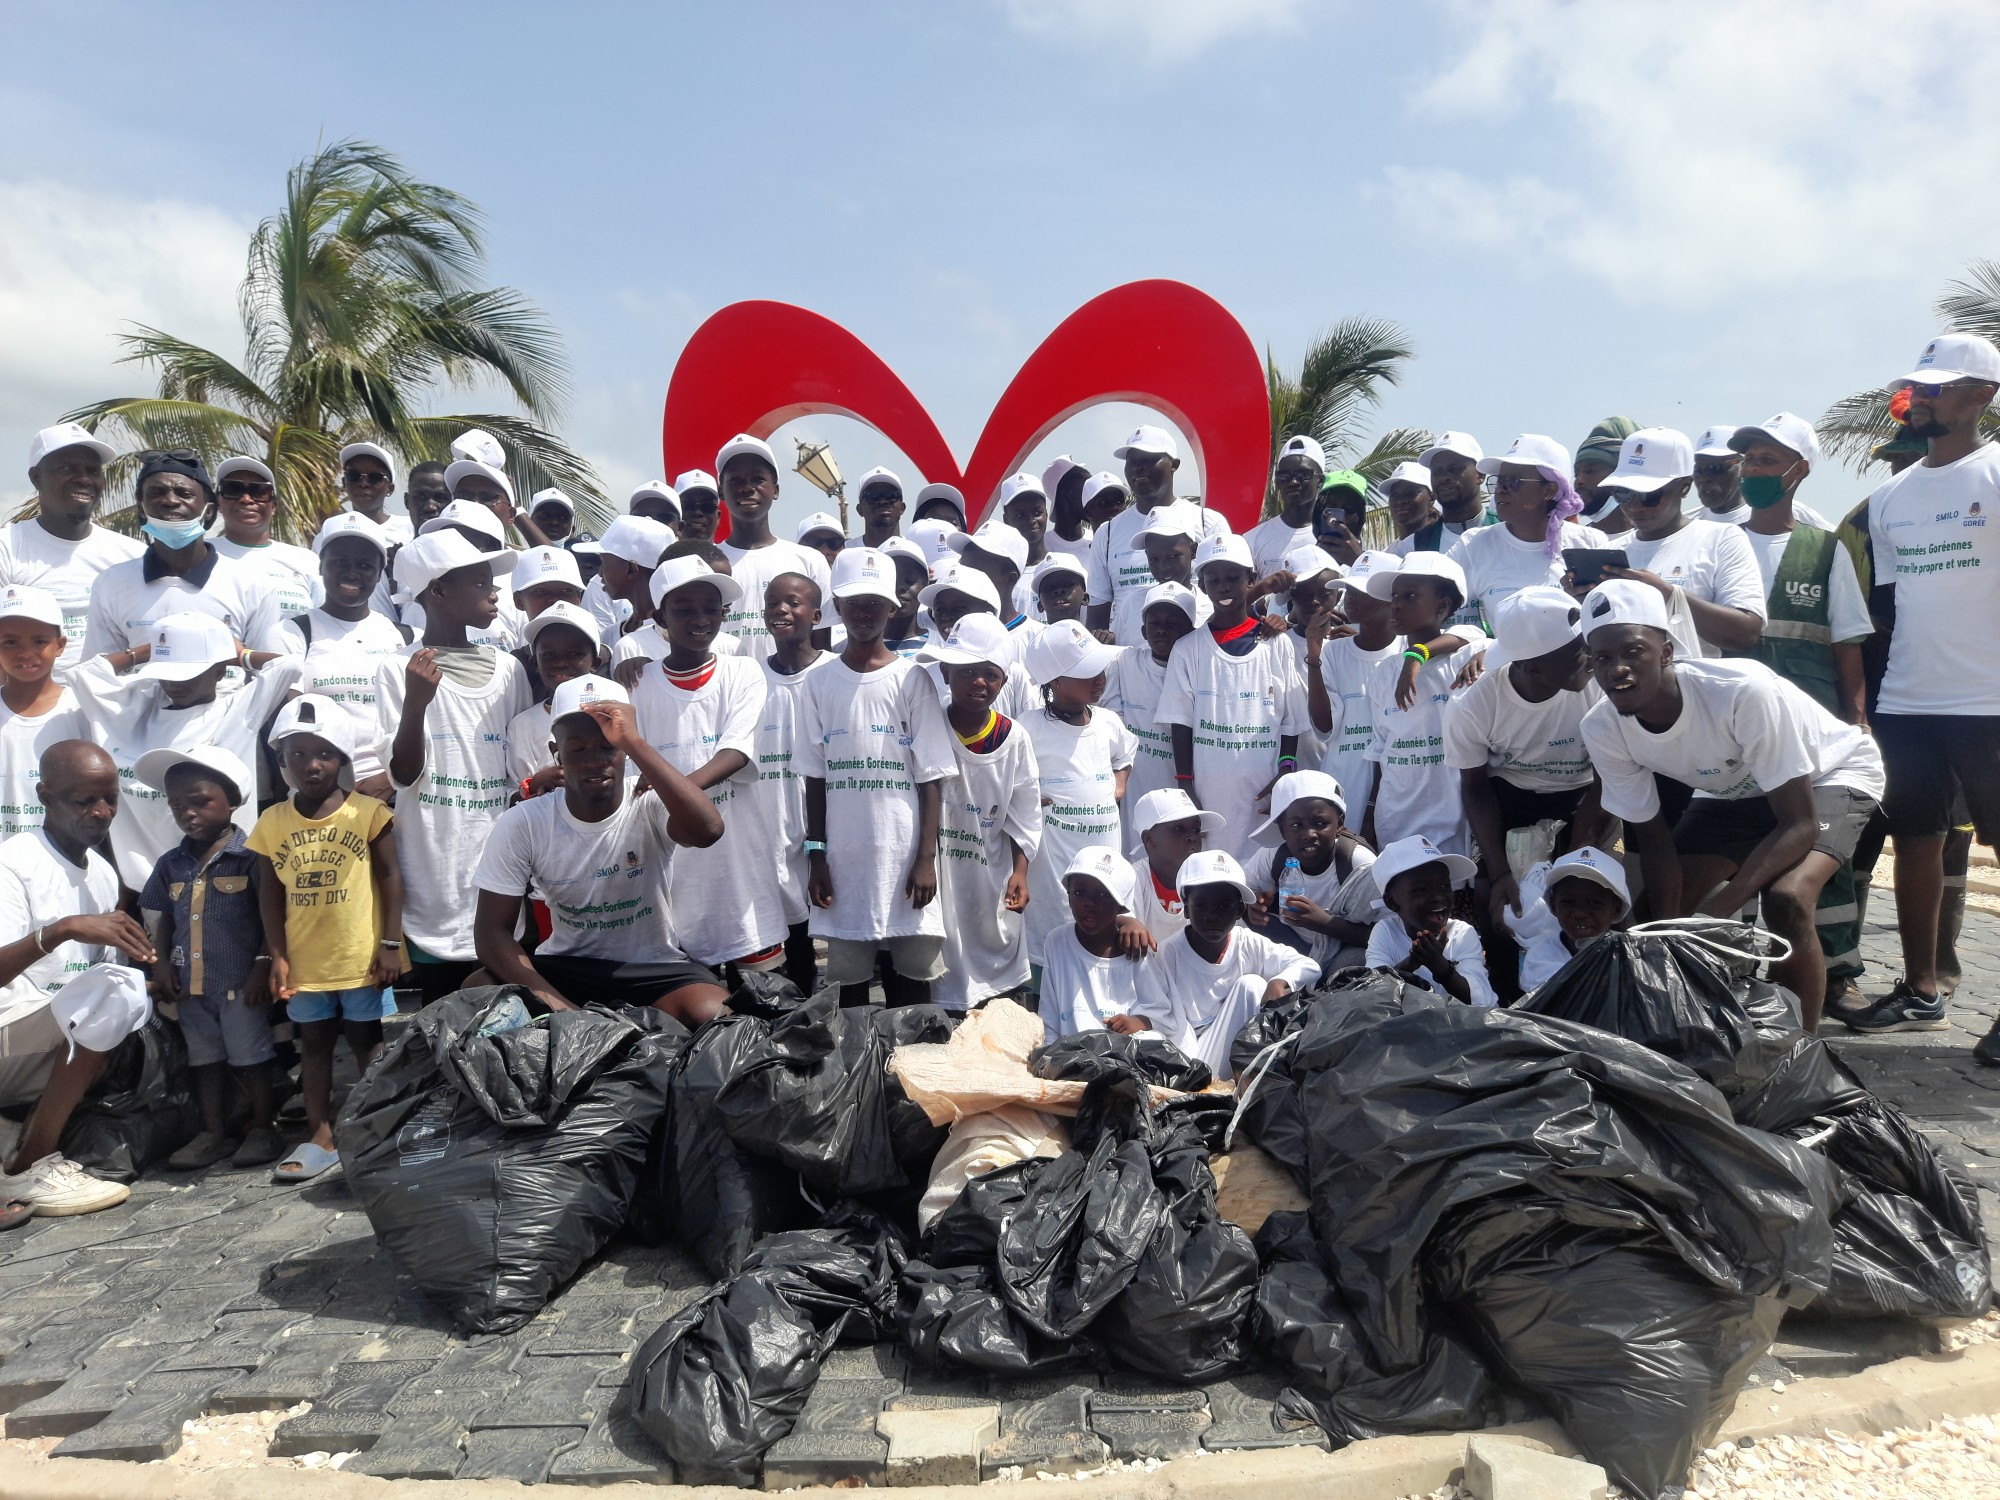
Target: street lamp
{"x":817,"y":464}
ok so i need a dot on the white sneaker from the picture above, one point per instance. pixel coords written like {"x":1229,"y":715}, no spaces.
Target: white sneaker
{"x":57,"y":1186}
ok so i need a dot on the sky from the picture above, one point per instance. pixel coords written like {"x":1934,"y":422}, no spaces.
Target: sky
{"x":1687,"y":212}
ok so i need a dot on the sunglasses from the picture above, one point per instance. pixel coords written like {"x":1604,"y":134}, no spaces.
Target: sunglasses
{"x":357,"y":476}
{"x":244,"y":489}
{"x":1506,"y":484}
{"x":1932,"y":392}
{"x":1633,"y":497}
{"x":178,"y":455}
{"x":1720,"y":470}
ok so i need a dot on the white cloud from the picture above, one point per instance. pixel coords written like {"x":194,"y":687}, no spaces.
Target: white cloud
{"x":1161,"y":31}
{"x":1686,"y":151}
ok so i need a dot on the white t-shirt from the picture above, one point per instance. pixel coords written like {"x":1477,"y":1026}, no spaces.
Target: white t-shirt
{"x":1081,"y":991}
{"x":448,"y":812}
{"x":1271,"y":539}
{"x":123,"y":603}
{"x":754,"y":568}
{"x":1537,"y":747}
{"x":650,"y":642}
{"x":1239,"y":708}
{"x":725,"y":897}
{"x":528,"y":736}
{"x":38,"y":885}
{"x":780,"y":792}
{"x":610,"y":614}
{"x":605,"y":883}
{"x":1743,"y":730}
{"x":1120,"y":574}
{"x":995,"y":798}
{"x":1847,"y":611}
{"x":1936,"y":534}
{"x":396,"y":529}
{"x":1079,"y":766}
{"x":1159,"y":912}
{"x":1351,"y":898}
{"x":1544,"y":949}
{"x":1389,"y":945}
{"x":1132,"y":691}
{"x":31,"y":558}
{"x":1415,"y":791}
{"x":1347,"y":670}
{"x":1196,"y":988}
{"x":873,"y":737}
{"x":292,"y":572}
{"x":22,"y":741}
{"x":1705,"y":560}
{"x":340,"y":663}
{"x":1499,"y":564}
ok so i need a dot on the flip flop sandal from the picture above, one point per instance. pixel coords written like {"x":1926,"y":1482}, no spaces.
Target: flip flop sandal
{"x":14,"y":1213}
{"x":305,"y":1163}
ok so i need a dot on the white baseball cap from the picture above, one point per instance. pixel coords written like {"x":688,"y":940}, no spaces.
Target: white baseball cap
{"x":1650,"y":458}
{"x":1309,"y":561}
{"x":22,"y":602}
{"x":1108,"y":868}
{"x":1175,"y":518}
{"x":1787,"y":430}
{"x":1297,"y":786}
{"x":562,"y":612}
{"x":933,"y":538}
{"x":1169,"y":804}
{"x":346,"y":523}
{"x":638,"y":540}
{"x":1624,"y":601}
{"x":869,"y":572}
{"x":1212,"y":867}
{"x":1592,"y":865}
{"x":67,"y":435}
{"x":995,"y":538}
{"x":186,"y":645}
{"x":1382,"y":582}
{"x":819,"y":520}
{"x":1224,"y":547}
{"x":654,"y":489}
{"x":878,"y":475}
{"x":1058,"y":470}
{"x":977,"y":637}
{"x":1408,"y":472}
{"x":579,"y":693}
{"x":1016,"y":485}
{"x":1304,"y":447}
{"x":1183,"y":598}
{"x":369,"y":450}
{"x":243,"y":464}
{"x":477,"y":445}
{"x":695,"y":479}
{"x":1408,"y":854}
{"x":1066,"y":649}
{"x":940,"y":492}
{"x":470,"y":515}
{"x":539,"y":565}
{"x":100,"y":1007}
{"x":1148,"y":440}
{"x":1101,"y":481}
{"x":152,"y":767}
{"x":1954,"y":356}
{"x":422,"y":562}
{"x":466,"y":468}
{"x":681,"y":572}
{"x":1464,"y":444}
{"x":1714,"y":440}
{"x":902,"y":546}
{"x":313,"y":713}
{"x":745,"y":446}
{"x":1059,"y":562}
{"x":959,"y":579}
{"x":1370,"y":565}
{"x":554,"y":496}
{"x":1534,"y":621}
{"x":1534,"y":449}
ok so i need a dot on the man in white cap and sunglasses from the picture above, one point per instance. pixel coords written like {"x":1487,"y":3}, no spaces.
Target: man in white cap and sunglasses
{"x":1119,"y":572}
{"x":367,"y":480}
{"x":1295,"y":480}
{"x":246,"y":500}
{"x":59,"y":547}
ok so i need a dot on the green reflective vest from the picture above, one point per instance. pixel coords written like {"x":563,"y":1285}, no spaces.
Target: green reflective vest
{"x":1797,"y":642}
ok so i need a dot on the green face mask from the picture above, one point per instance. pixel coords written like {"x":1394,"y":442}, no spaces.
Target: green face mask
{"x":1762,"y":491}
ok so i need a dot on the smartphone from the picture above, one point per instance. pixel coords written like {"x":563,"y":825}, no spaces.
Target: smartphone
{"x":1587,"y":564}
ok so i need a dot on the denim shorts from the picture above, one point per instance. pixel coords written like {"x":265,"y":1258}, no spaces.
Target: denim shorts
{"x":225,"y":1031}
{"x":367,"y":1003}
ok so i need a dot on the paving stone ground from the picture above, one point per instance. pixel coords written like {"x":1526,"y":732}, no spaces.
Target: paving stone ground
{"x":223,"y":1293}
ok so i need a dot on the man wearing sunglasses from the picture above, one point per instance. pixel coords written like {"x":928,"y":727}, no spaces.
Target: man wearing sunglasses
{"x":1935,"y":533}
{"x":367,"y":480}
{"x":246,"y":497}
{"x":58,"y":547}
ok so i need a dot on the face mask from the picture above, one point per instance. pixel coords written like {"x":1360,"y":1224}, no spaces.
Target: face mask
{"x":176,"y":534}
{"x":1762,"y":491}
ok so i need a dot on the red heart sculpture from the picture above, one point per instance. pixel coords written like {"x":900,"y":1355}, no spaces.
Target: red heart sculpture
{"x":755,"y":366}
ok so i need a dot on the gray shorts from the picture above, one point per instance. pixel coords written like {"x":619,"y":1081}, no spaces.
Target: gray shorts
{"x":225,"y":1031}
{"x":852,"y":961}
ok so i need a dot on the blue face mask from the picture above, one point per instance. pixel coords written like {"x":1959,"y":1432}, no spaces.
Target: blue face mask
{"x":176,"y":534}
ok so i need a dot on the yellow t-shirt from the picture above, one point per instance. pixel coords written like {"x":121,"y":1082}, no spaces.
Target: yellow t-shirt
{"x":332,"y":922}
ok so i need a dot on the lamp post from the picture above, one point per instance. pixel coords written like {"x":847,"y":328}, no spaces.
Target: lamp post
{"x":817,"y":464}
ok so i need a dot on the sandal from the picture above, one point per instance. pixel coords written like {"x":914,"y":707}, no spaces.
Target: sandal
{"x":14,"y":1213}
{"x":305,"y":1163}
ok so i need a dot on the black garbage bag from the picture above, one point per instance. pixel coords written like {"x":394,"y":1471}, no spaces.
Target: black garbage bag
{"x":725,"y":1378}
{"x":1075,"y":1239}
{"x":494,"y":1153}
{"x":951,"y":1318}
{"x":1085,"y":1055}
{"x":141,"y":1110}
{"x":967,"y":1233}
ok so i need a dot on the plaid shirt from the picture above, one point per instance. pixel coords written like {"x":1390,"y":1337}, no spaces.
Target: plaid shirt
{"x":214,"y":930}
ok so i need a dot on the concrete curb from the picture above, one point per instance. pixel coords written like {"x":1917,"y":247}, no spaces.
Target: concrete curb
{"x":1902,"y":1393}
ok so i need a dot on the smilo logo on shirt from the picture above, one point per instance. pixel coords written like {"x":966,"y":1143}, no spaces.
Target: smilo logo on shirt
{"x":632,"y":865}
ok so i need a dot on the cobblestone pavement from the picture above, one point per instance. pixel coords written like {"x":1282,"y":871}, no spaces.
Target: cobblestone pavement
{"x":226,"y":1294}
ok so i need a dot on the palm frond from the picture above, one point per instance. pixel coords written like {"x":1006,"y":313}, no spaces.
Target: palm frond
{"x":189,"y":372}
{"x":492,"y":333}
{"x":1339,"y":385}
{"x":1397,"y":445}
{"x":1851,"y":427}
{"x":1973,"y":305}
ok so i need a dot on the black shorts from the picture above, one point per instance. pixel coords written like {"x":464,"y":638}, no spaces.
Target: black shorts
{"x":1521,"y":808}
{"x":1730,"y":830}
{"x":1929,"y":757}
{"x":610,"y":981}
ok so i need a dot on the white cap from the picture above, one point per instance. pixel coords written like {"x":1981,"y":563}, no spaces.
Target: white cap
{"x":1955,"y":356}
{"x":1057,"y":471}
{"x":562,"y":612}
{"x":902,"y":546}
{"x":745,"y":446}
{"x":466,"y":468}
{"x":539,"y":565}
{"x":960,"y":580}
{"x":244,"y":464}
{"x":1535,"y":450}
{"x":1016,"y":485}
{"x":639,"y":540}
{"x":976,"y":637}
{"x":1066,"y":649}
{"x":1408,"y":854}
{"x":1305,"y":447}
{"x":422,"y":562}
{"x":1370,"y":565}
{"x":1148,"y":440}
{"x":695,"y":479}
{"x":313,"y":713}
{"x":1534,"y":621}
{"x":819,"y":520}
{"x":551,"y":496}
{"x":1058,"y":562}
{"x":1787,"y":431}
{"x":152,"y":767}
{"x":681,"y":572}
{"x":1464,"y":444}
{"x":1169,"y":804}
{"x":1593,"y":865}
{"x":186,"y":645}
{"x":369,"y":450}
{"x":1224,"y":547}
{"x":67,"y":435}
{"x":869,"y":572}
{"x":1382,"y":582}
{"x":22,"y":602}
{"x":878,"y":475}
{"x":1212,"y":867}
{"x":579,"y":693}
{"x":346,"y":523}
{"x":1624,"y":601}
{"x":949,"y":492}
{"x":1175,"y":518}
{"x":470,"y":515}
{"x":477,"y":445}
{"x":933,"y":539}
{"x":1297,"y":786}
{"x":1309,"y":561}
{"x":1408,"y":472}
{"x":1101,"y":481}
{"x":995,"y":538}
{"x":1109,"y":869}
{"x":1650,"y":458}
{"x":653,"y":489}
{"x":100,"y":1007}
{"x":1183,"y":598}
{"x":1714,"y":440}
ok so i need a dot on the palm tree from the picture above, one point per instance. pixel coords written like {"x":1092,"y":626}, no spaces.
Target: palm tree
{"x":1853,"y":425}
{"x":1338,"y":386}
{"x":362,"y":298}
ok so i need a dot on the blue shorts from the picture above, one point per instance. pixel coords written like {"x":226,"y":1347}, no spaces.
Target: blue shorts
{"x":368,"y":1003}
{"x":225,"y":1031}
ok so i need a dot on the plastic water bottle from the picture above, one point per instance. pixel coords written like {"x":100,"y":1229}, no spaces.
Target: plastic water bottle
{"x":1291,"y":882}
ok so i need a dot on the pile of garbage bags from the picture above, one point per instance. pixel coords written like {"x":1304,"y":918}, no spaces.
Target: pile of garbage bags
{"x":141,"y":1109}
